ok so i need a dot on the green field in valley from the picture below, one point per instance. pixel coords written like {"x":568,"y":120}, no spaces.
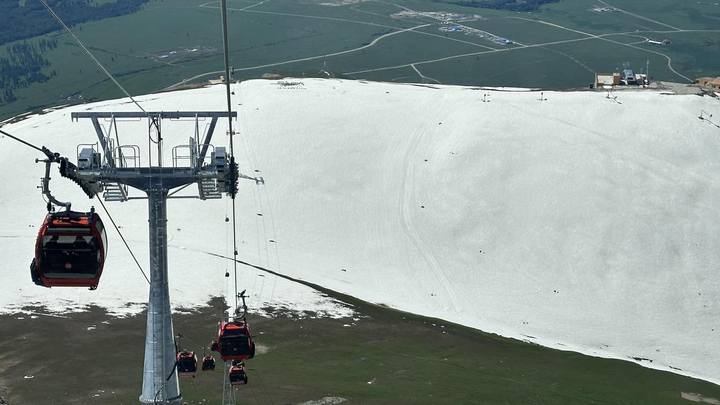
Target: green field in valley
{"x":561,"y":45}
{"x":378,"y":356}
{"x":381,"y":356}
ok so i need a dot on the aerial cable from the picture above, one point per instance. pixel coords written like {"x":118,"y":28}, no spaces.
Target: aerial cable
{"x":109,"y":75}
{"x":223,"y":13}
{"x":274,"y":236}
{"x":124,"y":241}
{"x":227,"y":237}
{"x":46,"y":151}
{"x":21,"y":141}
{"x":255,"y":266}
{"x":226,"y":382}
{"x":251,"y":156}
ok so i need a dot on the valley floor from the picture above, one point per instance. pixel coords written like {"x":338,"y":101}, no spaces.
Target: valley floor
{"x":378,"y":356}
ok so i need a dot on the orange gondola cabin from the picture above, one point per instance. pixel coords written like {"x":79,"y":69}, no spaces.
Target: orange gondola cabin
{"x":70,"y":250}
{"x":234,"y":341}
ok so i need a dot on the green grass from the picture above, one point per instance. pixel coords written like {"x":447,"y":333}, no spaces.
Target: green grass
{"x":684,"y":14}
{"x":275,"y":31}
{"x":519,"y":68}
{"x":694,"y":54}
{"x":381,"y":357}
{"x":525,"y":32}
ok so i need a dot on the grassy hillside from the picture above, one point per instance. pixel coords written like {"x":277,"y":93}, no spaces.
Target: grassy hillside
{"x":380,"y":356}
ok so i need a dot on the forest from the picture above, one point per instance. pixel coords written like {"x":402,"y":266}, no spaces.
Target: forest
{"x":29,"y":18}
{"x":22,"y":65}
{"x":511,"y":5}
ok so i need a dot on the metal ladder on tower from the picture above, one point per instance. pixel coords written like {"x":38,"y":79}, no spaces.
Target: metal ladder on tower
{"x":115,"y":192}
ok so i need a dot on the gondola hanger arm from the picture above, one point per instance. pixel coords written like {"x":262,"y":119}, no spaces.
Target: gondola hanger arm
{"x":45,"y":185}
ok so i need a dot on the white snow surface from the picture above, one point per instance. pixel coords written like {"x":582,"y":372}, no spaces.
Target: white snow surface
{"x":579,"y":222}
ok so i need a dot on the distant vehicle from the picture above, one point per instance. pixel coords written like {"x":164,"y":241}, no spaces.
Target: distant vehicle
{"x":234,"y":341}
{"x":237,"y":374}
{"x":70,"y":250}
{"x":628,"y":77}
{"x":186,"y":364}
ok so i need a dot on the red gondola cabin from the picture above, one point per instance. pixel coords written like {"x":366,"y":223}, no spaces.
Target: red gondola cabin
{"x":237,"y":374}
{"x":70,"y":250}
{"x":234,"y":341}
{"x":186,"y":364}
{"x":208,"y":363}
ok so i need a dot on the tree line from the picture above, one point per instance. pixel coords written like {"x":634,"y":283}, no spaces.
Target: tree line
{"x":22,"y":65}
{"x":30,"y":19}
{"x":511,"y":5}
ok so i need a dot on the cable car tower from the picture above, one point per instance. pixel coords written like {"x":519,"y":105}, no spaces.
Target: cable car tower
{"x":116,"y":167}
{"x":112,"y":168}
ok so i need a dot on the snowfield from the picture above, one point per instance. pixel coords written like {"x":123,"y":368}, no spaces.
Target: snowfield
{"x":578,"y":222}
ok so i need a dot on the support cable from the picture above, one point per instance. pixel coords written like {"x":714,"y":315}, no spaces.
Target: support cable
{"x":251,"y":156}
{"x":109,"y":75}
{"x":21,"y":141}
{"x":123,"y":239}
{"x":223,"y":12}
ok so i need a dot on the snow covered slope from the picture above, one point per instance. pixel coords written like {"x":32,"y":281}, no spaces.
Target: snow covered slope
{"x":578,"y":222}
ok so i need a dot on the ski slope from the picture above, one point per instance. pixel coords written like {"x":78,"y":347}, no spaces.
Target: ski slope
{"x":579,"y":222}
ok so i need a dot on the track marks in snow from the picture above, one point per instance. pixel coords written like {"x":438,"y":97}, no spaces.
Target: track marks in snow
{"x":407,"y":205}
{"x":612,"y":145}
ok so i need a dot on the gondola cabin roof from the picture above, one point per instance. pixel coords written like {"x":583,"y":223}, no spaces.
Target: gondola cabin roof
{"x":234,"y":341}
{"x":234,"y":328}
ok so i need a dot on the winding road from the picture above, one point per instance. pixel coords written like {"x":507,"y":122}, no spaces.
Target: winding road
{"x":486,"y":49}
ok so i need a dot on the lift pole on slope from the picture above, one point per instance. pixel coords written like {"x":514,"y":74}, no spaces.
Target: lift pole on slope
{"x":115,"y":168}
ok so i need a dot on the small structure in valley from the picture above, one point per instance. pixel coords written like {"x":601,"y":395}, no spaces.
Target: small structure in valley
{"x":605,"y":80}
